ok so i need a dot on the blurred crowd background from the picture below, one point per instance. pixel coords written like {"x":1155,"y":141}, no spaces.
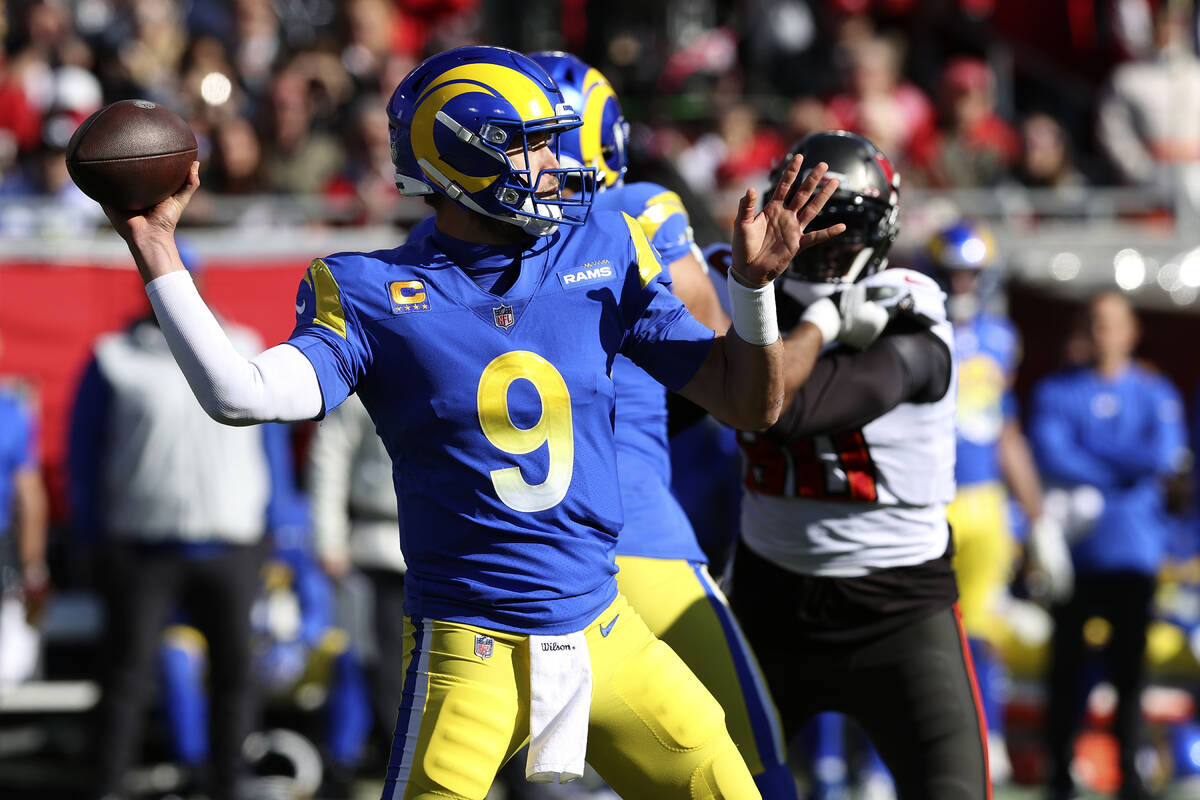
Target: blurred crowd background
{"x":1070,"y":128}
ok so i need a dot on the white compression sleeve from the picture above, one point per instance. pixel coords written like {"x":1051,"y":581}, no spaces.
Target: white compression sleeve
{"x":278,"y":385}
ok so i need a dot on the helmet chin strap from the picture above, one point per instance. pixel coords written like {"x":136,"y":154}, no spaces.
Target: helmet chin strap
{"x":860,"y":261}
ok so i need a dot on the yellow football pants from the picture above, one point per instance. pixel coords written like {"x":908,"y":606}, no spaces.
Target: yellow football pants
{"x":983,"y":556}
{"x":655,"y":731}
{"x":683,"y":607}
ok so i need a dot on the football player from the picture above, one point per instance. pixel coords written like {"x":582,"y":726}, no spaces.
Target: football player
{"x":663,"y":571}
{"x":991,"y":454}
{"x":484,"y":356}
{"x":844,"y":528}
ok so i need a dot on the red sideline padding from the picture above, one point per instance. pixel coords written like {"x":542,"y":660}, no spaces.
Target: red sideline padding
{"x":50,"y":314}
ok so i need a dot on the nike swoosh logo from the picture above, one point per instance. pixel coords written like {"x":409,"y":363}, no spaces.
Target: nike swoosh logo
{"x":300,"y":306}
{"x":606,"y":629}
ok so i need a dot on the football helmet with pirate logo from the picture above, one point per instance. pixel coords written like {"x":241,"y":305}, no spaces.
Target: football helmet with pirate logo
{"x":602,"y":141}
{"x":458,"y":124}
{"x":867,"y":200}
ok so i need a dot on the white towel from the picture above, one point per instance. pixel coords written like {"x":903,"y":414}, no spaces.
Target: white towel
{"x":560,"y":701}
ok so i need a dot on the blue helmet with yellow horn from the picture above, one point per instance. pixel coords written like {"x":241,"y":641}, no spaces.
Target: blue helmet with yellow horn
{"x":458,"y":119}
{"x":602,"y":141}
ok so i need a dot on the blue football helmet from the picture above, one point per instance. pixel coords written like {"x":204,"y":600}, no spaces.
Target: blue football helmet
{"x":962,"y":259}
{"x":457,"y":117}
{"x":602,"y":141}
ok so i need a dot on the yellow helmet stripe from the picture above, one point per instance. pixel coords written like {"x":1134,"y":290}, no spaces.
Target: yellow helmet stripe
{"x":596,"y":93}
{"x":526,"y":96}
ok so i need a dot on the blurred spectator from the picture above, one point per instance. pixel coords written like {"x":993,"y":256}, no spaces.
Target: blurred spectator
{"x":740,"y":152}
{"x":878,"y":103}
{"x":1106,"y":436}
{"x":1046,"y":161}
{"x":236,"y":166}
{"x":373,"y":30}
{"x":152,"y":56}
{"x":259,"y":42}
{"x":1149,"y":119}
{"x":179,"y":505}
{"x":368,"y":178}
{"x":807,"y":115}
{"x":298,"y":159}
{"x":357,"y":534}
{"x":24,"y":580}
{"x":970,"y":145}
{"x":20,"y":121}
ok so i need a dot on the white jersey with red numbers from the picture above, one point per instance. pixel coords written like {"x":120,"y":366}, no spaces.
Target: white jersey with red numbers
{"x":855,"y":501}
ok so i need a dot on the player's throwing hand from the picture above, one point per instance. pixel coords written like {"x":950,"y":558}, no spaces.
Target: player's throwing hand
{"x":162,"y":218}
{"x":764,"y":244}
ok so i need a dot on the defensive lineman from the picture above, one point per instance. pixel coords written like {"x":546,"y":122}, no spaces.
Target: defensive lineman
{"x":844,"y":528}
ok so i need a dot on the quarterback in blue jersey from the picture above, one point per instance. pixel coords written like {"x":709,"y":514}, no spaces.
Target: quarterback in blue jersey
{"x":991,"y":456}
{"x":663,"y":570}
{"x":483,"y":354}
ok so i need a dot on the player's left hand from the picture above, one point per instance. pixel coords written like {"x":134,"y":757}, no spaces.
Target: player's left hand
{"x":863,"y":320}
{"x":765,"y":243}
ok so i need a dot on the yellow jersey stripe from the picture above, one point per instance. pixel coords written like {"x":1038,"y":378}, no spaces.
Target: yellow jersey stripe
{"x":648,"y":264}
{"x":329,"y":297}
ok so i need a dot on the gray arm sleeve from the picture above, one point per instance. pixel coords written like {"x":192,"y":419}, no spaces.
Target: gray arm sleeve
{"x":278,"y":385}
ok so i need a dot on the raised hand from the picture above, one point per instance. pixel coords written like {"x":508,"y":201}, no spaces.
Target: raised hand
{"x":764,"y":244}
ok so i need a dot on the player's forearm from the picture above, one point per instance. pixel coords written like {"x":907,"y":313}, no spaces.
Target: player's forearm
{"x":800,"y":351}
{"x":1020,"y":471}
{"x":155,"y":254}
{"x":740,"y":383}
{"x":279,"y":385}
{"x":31,"y":516}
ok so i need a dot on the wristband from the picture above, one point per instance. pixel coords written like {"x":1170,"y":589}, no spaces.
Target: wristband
{"x":753,"y":312}
{"x":825,"y":315}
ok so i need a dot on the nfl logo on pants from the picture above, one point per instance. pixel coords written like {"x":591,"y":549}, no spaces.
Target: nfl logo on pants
{"x":503,"y":317}
{"x":483,"y":646}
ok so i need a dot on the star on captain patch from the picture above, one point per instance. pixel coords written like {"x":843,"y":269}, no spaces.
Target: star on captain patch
{"x":503,"y":317}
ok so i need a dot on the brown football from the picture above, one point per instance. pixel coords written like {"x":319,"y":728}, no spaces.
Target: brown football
{"x":131,"y":154}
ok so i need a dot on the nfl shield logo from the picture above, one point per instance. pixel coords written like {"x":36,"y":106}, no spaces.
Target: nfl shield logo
{"x":483,"y":646}
{"x":503,"y":317}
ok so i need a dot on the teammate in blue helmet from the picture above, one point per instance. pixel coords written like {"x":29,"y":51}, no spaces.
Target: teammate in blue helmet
{"x":482,"y":352}
{"x":663,"y":570}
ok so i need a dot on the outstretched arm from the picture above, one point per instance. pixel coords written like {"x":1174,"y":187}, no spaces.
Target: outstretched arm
{"x":278,"y":385}
{"x":741,"y":379}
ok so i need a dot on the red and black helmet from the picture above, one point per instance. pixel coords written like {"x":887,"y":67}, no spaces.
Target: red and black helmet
{"x":867,"y":200}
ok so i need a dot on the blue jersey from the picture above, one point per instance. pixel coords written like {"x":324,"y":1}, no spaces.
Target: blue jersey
{"x":988,"y":350}
{"x":1122,"y":435}
{"x":497,"y":409}
{"x":17,"y":449}
{"x":655,"y":524}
